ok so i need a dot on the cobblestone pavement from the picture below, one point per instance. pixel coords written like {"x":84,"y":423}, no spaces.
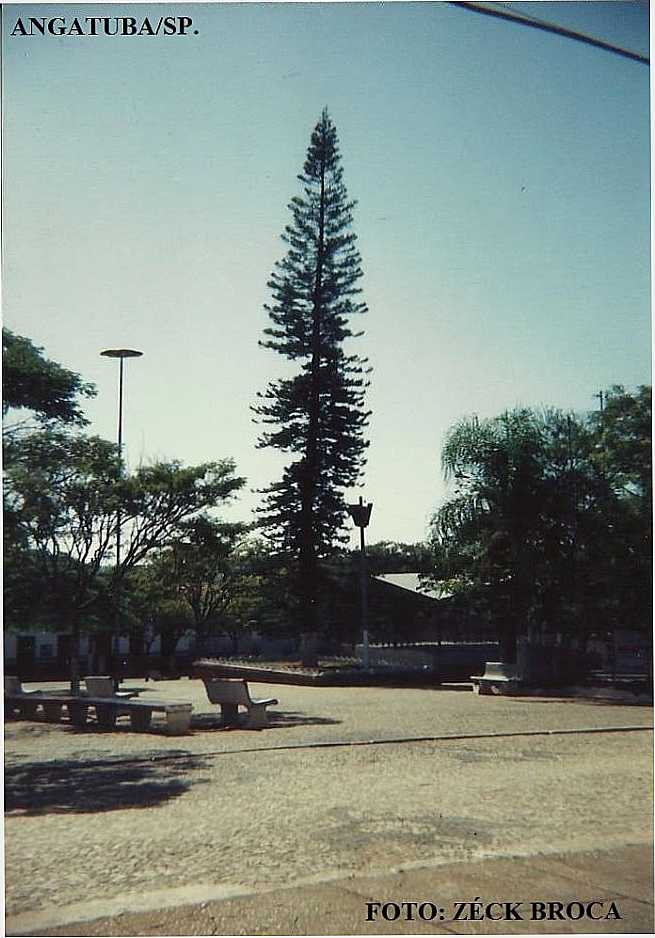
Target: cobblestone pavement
{"x":309,"y":715}
{"x":101,"y":820}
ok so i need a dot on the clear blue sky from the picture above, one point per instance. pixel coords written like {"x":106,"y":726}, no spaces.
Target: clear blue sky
{"x":502,"y":176}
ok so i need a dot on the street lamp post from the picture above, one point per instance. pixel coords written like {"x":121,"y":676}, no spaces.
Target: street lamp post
{"x":361,"y":515}
{"x":121,"y":354}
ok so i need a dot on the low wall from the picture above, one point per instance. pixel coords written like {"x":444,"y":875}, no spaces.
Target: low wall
{"x":450,"y":661}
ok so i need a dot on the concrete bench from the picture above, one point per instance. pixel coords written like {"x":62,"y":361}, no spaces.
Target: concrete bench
{"x":230,"y":694}
{"x":19,"y":701}
{"x":13,"y":685}
{"x":27,"y":703}
{"x":107,"y":709}
{"x":499,"y":678}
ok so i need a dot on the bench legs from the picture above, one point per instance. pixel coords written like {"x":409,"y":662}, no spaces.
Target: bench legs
{"x":140,"y":720}
{"x":106,"y":716}
{"x":78,"y":713}
{"x":178,"y":723}
{"x":52,"y":712}
{"x":230,"y":714}
{"x":27,"y":709}
{"x":257,"y":717}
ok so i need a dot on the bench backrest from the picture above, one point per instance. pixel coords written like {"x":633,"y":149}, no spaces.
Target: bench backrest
{"x":229,"y":691}
{"x":499,"y":670}
{"x":99,"y":686}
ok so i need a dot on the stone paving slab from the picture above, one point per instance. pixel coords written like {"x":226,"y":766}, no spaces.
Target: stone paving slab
{"x":340,"y":907}
{"x":629,"y":875}
{"x":624,"y":875}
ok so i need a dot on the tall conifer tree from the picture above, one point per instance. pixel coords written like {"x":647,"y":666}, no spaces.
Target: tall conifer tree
{"x":317,"y":416}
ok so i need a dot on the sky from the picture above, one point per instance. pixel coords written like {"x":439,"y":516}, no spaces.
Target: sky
{"x":502,"y":180}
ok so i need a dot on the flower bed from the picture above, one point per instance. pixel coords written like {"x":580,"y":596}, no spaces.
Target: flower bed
{"x":337,"y":672}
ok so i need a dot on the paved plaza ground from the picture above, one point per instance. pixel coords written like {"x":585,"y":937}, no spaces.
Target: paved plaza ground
{"x":287,"y":831}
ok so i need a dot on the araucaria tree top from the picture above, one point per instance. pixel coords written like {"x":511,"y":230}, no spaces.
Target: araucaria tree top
{"x":317,"y":416}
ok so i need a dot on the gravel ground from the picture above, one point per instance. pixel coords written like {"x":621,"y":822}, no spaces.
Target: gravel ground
{"x":307,"y":715}
{"x":102,"y":816}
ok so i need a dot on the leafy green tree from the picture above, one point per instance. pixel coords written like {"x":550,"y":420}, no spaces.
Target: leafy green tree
{"x":548,"y":523}
{"x":64,"y":491}
{"x":205,"y":572}
{"x":396,"y":557}
{"x":35,"y":383}
{"x":37,"y":392}
{"x":495,"y":465}
{"x":261,"y":592}
{"x":622,"y":453}
{"x":623,"y":443}
{"x":154,"y":604}
{"x":317,"y":416}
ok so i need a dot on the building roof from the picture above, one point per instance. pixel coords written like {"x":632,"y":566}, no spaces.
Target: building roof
{"x":412,"y":583}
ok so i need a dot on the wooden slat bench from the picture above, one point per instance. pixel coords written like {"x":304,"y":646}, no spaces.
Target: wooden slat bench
{"x":107,"y":709}
{"x":230,"y":694}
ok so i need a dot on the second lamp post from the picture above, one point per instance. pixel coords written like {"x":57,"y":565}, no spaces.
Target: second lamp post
{"x":121,"y":354}
{"x":361,"y":515}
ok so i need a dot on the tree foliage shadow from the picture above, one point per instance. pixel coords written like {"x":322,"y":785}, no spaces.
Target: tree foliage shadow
{"x":73,"y":787}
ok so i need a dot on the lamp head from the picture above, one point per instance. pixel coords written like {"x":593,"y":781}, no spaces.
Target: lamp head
{"x":361,"y":513}
{"x":121,"y":353}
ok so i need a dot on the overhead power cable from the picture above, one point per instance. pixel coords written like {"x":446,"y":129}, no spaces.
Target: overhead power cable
{"x":524,"y":19}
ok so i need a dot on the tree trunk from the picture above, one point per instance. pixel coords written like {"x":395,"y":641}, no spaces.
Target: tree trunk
{"x":75,"y":658}
{"x":308,"y":650}
{"x":169,"y":640}
{"x":507,"y":642}
{"x":308,"y":562}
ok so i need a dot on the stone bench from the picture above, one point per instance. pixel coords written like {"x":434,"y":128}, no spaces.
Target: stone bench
{"x":26,"y":704}
{"x":107,"y":709}
{"x":499,"y":678}
{"x":23,"y":702}
{"x":230,"y":694}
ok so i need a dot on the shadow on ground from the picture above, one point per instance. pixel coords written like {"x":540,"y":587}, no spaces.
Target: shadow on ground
{"x":588,"y":701}
{"x":276,"y":718}
{"x":70,"y":786}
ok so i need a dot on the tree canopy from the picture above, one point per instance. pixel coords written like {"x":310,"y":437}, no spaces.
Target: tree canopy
{"x":548,"y":523}
{"x":33,"y":382}
{"x":63,"y":492}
